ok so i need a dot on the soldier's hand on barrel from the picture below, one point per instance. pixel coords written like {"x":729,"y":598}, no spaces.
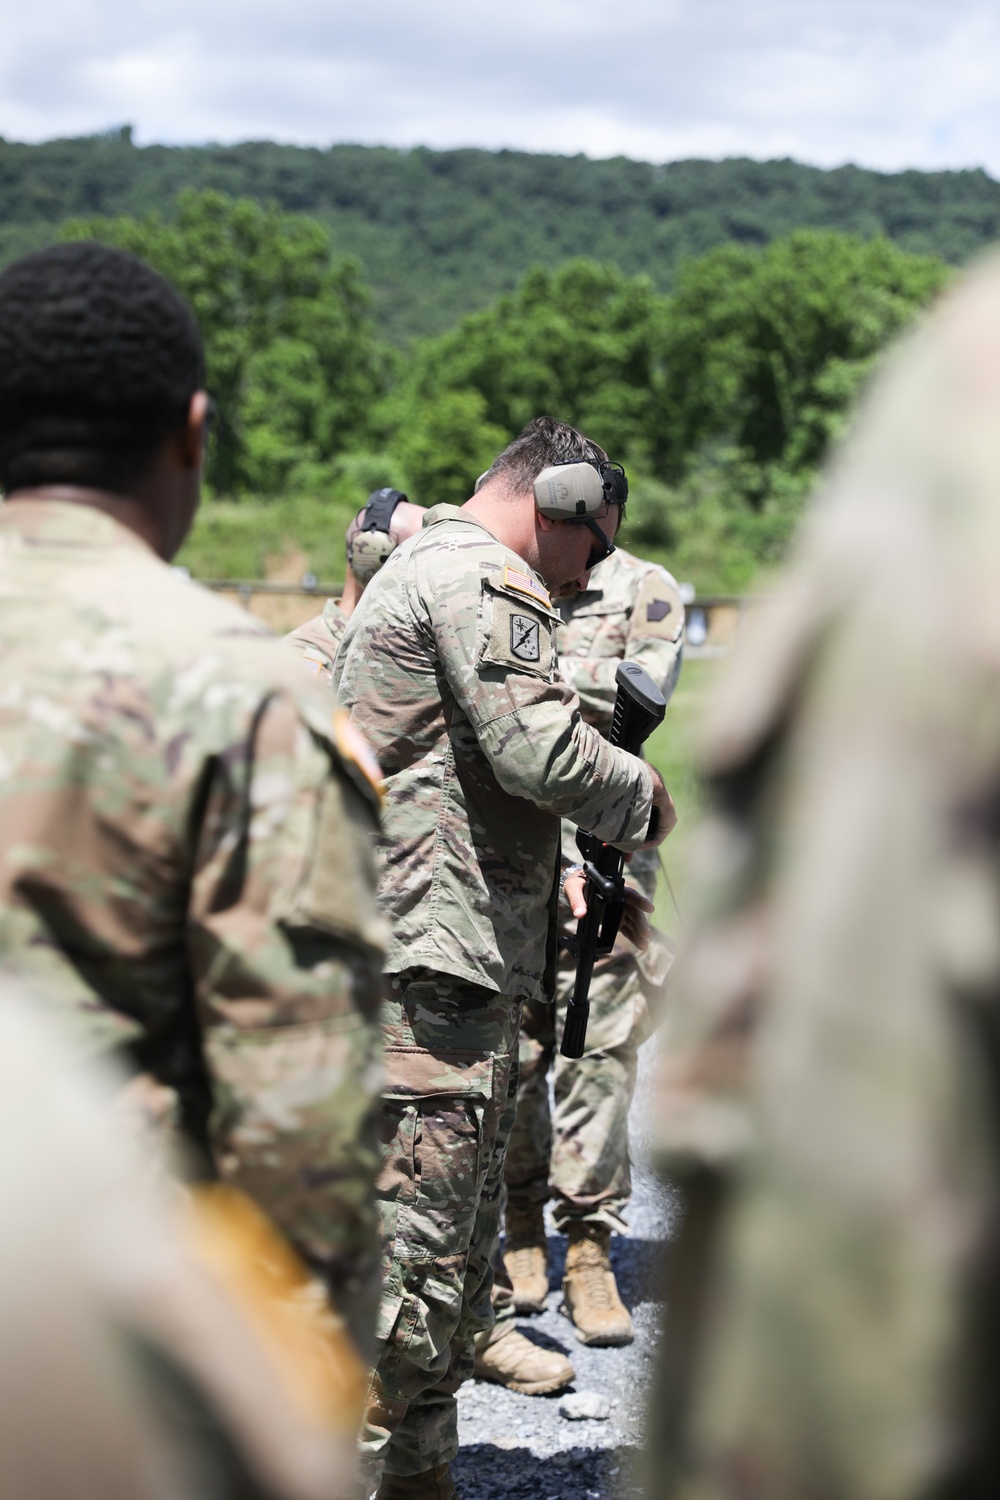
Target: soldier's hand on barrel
{"x":663,"y":804}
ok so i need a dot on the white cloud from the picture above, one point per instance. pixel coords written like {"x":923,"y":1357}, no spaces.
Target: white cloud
{"x":886,"y":83}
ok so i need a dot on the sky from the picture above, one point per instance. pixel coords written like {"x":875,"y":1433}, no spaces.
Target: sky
{"x":883,"y":83}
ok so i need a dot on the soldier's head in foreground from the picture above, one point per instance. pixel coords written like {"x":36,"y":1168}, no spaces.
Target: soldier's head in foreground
{"x":101,"y":399}
{"x":146,"y":726}
{"x":554,"y":496}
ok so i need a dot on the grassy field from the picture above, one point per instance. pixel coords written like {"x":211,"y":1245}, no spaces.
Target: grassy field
{"x":672,"y":750}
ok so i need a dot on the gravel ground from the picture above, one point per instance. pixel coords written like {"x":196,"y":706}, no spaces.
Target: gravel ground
{"x":519,"y":1447}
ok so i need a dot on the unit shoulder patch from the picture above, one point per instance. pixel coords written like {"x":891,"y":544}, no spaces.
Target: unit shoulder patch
{"x":524,"y":637}
{"x":659,"y":610}
{"x":516,"y":637}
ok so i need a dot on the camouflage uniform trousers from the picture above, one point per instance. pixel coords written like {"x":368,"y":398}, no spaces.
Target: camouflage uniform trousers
{"x":578,"y":1153}
{"x":449,"y":1103}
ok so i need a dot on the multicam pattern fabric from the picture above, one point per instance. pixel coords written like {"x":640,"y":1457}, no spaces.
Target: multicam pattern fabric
{"x":577,"y":1150}
{"x":448,"y":668}
{"x":632,"y":611}
{"x":119,"y":1291}
{"x":450,"y":1049}
{"x":318,"y":639}
{"x":831,"y":1093}
{"x":185,"y":870}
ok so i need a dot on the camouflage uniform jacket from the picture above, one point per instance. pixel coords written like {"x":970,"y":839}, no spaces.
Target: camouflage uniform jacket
{"x":184,"y":862}
{"x":632,"y":611}
{"x":319,"y":638}
{"x":449,"y":668}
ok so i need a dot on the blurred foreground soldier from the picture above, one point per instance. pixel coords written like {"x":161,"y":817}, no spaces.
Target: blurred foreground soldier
{"x":184,"y":836}
{"x":449,"y":668}
{"x":385,"y":520}
{"x":578,"y":1154}
{"x":831,"y":1097}
{"x":154,"y":1347}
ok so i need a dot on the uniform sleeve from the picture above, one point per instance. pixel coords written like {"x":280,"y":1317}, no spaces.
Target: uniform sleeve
{"x":315,"y":649}
{"x":655,"y":642}
{"x":498,"y":655}
{"x":286,"y":949}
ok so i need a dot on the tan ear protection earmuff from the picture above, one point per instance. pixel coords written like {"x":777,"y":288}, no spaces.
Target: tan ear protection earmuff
{"x":579,"y":492}
{"x":565,"y":491}
{"x":372,"y":543}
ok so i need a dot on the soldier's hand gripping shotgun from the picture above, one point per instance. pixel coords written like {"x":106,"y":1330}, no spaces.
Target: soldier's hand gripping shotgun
{"x":639,"y":707}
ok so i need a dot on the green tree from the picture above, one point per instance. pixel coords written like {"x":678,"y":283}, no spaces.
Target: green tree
{"x":292,"y":360}
{"x":441,"y":447}
{"x":577,"y":343}
{"x":764,"y":351}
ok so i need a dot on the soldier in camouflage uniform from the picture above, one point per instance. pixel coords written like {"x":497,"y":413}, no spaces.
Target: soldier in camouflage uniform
{"x":185,"y":865}
{"x":449,"y":668}
{"x":157,"y":1344}
{"x":631,"y":610}
{"x":831,"y":1094}
{"x":318,"y":639}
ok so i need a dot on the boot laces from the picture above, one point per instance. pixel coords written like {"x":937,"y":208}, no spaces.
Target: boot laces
{"x":595,"y":1287}
{"x":591,"y":1270}
{"x":521,"y":1262}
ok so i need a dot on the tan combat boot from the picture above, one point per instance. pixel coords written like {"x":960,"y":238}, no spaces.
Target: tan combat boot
{"x":590,"y":1296}
{"x":526,"y":1256}
{"x":507,"y":1358}
{"x":432,"y":1484}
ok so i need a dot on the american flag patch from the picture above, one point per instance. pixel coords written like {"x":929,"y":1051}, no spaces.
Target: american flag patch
{"x":523,"y":583}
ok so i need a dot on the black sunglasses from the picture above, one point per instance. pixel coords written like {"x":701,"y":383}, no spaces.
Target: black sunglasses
{"x":602,"y":549}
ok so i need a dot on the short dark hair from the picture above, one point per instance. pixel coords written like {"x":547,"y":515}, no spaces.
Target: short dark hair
{"x":542,"y":442}
{"x":99,"y":359}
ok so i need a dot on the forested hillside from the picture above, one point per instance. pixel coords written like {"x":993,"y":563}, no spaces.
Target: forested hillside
{"x":720,"y":396}
{"x":441,"y":233}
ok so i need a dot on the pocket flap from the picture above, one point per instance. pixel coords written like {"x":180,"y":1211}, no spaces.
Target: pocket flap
{"x":413,"y":1072}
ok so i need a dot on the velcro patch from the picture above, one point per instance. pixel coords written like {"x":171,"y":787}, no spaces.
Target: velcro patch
{"x":315,"y":661}
{"x":659,"y":610}
{"x":518,"y":637}
{"x":523,"y":583}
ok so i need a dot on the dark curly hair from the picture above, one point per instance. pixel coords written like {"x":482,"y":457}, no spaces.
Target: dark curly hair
{"x":542,"y":442}
{"x":99,"y":359}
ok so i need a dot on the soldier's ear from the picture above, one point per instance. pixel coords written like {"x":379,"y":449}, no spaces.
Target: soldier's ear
{"x":545,"y":523}
{"x":190,"y":438}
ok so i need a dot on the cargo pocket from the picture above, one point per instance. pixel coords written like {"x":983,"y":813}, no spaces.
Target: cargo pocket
{"x":443,"y":1098}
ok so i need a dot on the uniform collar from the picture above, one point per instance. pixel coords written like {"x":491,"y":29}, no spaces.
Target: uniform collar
{"x":443,"y":512}
{"x":66,"y":523}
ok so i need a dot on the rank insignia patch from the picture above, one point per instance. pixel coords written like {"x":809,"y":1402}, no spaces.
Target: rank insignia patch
{"x":524,"y":642}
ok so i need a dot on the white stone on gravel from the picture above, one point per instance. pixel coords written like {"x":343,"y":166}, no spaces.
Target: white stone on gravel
{"x":583,"y":1406}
